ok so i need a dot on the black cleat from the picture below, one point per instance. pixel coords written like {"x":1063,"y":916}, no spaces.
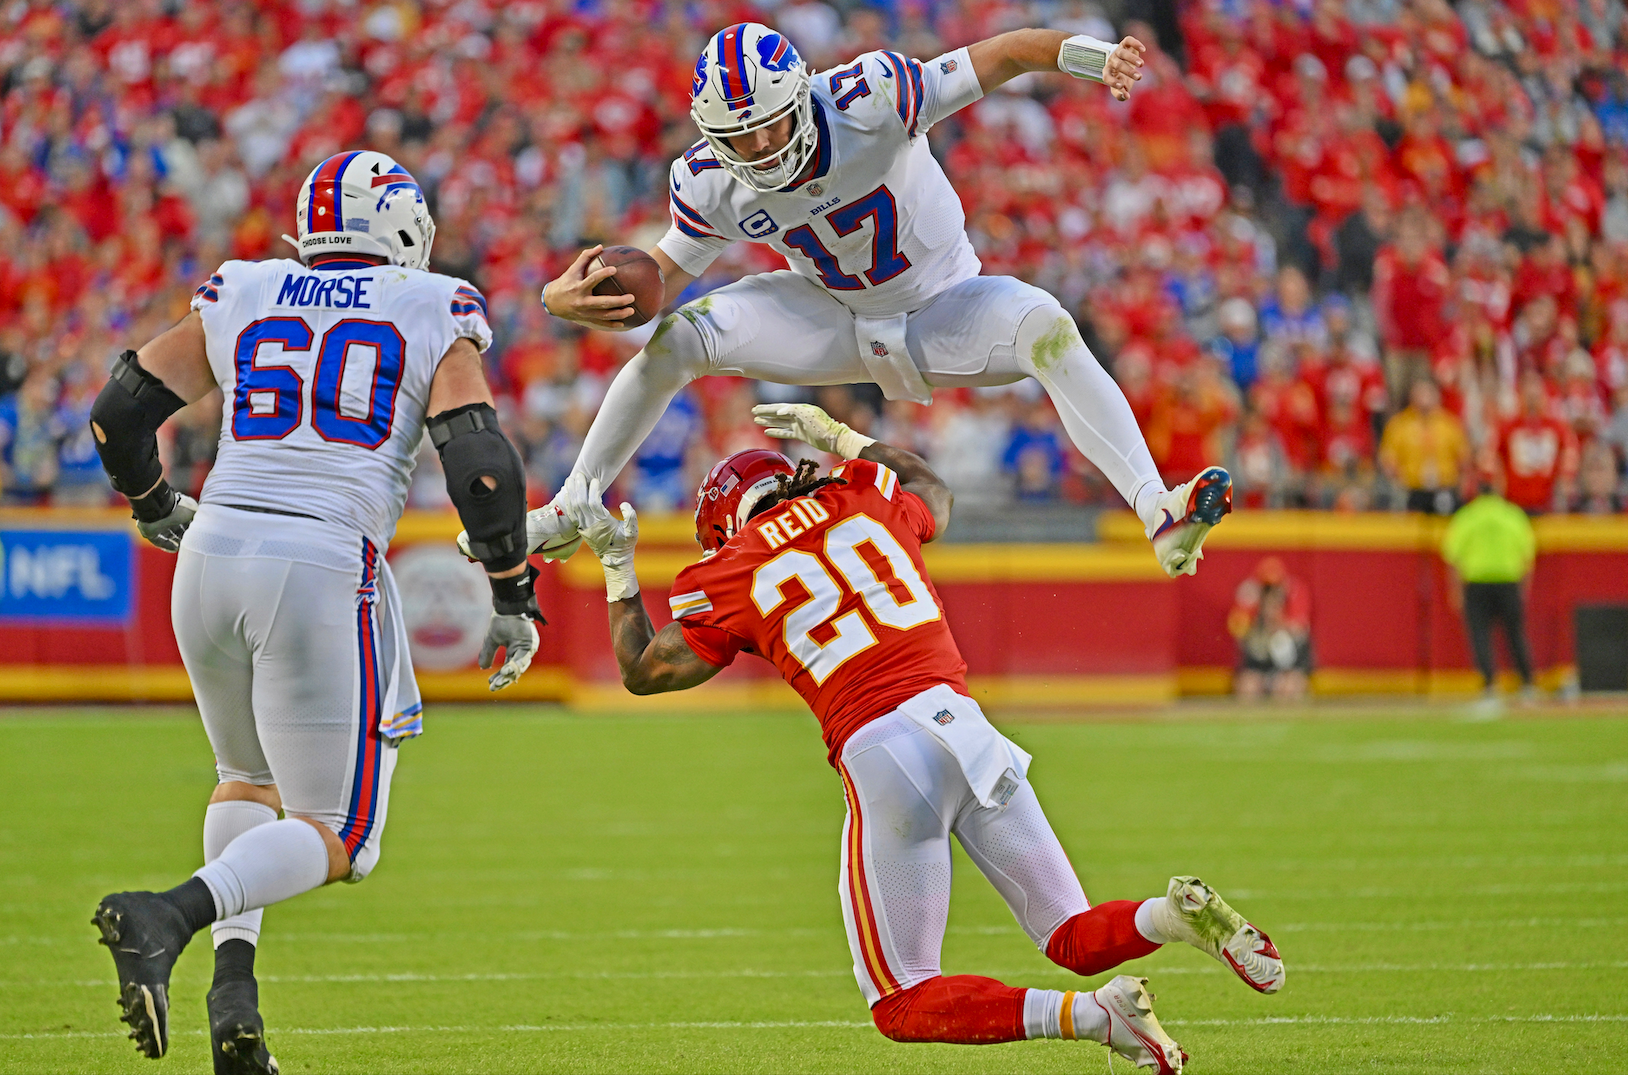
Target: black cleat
{"x":146,"y":933}
{"x":237,"y":1034}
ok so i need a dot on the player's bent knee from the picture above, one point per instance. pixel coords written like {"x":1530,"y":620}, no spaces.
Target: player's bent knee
{"x":892,"y":1015}
{"x":679,"y":346}
{"x":340,"y":865}
{"x":1048,"y":340}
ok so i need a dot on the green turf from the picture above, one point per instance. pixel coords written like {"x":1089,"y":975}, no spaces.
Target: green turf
{"x":571,"y":893}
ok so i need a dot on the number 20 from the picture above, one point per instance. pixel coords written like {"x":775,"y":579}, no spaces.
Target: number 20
{"x":268,"y":402}
{"x":853,"y":635}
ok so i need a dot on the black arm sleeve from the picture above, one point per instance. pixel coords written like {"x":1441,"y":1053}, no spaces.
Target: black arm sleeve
{"x":473,"y":448}
{"x":124,"y":421}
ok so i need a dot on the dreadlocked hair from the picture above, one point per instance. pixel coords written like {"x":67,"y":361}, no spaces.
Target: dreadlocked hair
{"x":802,"y":483}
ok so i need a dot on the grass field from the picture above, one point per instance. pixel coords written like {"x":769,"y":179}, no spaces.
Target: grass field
{"x":573,"y":893}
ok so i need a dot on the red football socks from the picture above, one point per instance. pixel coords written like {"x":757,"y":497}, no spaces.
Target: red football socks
{"x":1099,"y":939}
{"x":963,"y":1009}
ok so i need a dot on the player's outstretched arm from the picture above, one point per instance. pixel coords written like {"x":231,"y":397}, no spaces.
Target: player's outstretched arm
{"x":145,"y":388}
{"x":651,"y":661}
{"x":1001,"y":58}
{"x":571,"y":294}
{"x":487,"y":485}
{"x":815,"y":428}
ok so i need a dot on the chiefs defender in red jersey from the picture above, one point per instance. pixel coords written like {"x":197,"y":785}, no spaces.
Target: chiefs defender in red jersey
{"x":824,"y":577}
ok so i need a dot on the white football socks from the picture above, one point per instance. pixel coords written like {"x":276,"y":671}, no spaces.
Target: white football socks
{"x":1147,"y":920}
{"x":1090,"y":403}
{"x":266,"y":865}
{"x":223,"y":823}
{"x":1071,"y":1014}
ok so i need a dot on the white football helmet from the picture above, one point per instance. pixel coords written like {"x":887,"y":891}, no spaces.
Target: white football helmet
{"x":748,"y":77}
{"x":362,"y":202}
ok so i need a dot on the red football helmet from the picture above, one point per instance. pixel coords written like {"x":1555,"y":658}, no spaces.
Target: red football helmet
{"x":731,"y":490}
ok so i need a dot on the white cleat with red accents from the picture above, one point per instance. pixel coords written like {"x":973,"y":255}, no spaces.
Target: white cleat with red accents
{"x":1184,"y":517}
{"x":1193,"y":912}
{"x":1134,"y":1031}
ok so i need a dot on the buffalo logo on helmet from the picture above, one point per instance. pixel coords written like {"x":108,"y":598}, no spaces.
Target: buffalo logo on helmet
{"x":776,"y":54}
{"x":699,"y":81}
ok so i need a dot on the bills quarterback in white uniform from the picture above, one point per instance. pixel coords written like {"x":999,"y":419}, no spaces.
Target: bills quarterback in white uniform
{"x":284,"y":608}
{"x":833,"y":170}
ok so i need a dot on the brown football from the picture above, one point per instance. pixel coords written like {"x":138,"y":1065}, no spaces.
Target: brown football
{"x":637,"y":274}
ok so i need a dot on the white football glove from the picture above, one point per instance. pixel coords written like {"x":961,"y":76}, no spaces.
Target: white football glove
{"x":166,"y":533}
{"x":812,"y":426}
{"x":517,"y":637}
{"x":610,"y":539}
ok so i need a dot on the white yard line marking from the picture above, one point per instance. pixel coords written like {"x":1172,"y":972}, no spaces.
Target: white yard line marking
{"x":1343,"y":1020}
{"x":1363,"y":968}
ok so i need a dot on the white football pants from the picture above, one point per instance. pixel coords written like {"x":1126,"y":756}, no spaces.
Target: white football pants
{"x":785,"y":328}
{"x":906,"y":794}
{"x":291,"y":633}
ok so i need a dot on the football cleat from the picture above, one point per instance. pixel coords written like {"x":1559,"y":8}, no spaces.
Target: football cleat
{"x":237,"y":1034}
{"x":1133,"y":1030}
{"x":1185,"y":515}
{"x":1193,"y":912}
{"x":548,"y":532}
{"x":146,"y":933}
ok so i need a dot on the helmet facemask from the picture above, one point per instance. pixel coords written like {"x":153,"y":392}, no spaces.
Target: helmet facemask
{"x":778,"y":169}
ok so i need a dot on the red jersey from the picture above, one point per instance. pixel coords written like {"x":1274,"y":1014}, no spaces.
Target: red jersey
{"x":831,"y":589}
{"x":1535,"y":452}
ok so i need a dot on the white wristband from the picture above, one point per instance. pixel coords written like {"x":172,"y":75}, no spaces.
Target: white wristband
{"x":621,"y":581}
{"x":849,"y":444}
{"x":1085,"y":57}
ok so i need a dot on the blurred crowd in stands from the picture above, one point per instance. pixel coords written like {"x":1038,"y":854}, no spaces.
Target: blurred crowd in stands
{"x":1365,"y":252}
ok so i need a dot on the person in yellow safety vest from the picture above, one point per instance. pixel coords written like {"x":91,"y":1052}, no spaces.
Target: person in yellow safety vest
{"x":1490,"y":546}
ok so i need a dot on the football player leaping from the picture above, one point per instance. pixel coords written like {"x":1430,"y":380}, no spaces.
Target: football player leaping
{"x":834,"y":172}
{"x":285,"y":612}
{"x":824,"y":578}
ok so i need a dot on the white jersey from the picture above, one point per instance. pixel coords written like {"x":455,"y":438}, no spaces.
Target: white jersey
{"x":876,"y":222}
{"x":327,"y":373}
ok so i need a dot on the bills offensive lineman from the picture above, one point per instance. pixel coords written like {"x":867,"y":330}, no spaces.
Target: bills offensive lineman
{"x":834,"y":172}
{"x":286,"y":615}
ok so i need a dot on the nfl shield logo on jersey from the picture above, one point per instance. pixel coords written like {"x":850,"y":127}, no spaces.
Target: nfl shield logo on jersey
{"x":948,"y":66}
{"x":943,"y":716}
{"x":879,"y":349}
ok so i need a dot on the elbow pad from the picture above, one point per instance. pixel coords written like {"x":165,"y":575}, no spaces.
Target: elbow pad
{"x":473,"y":448}
{"x":124,"y":421}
